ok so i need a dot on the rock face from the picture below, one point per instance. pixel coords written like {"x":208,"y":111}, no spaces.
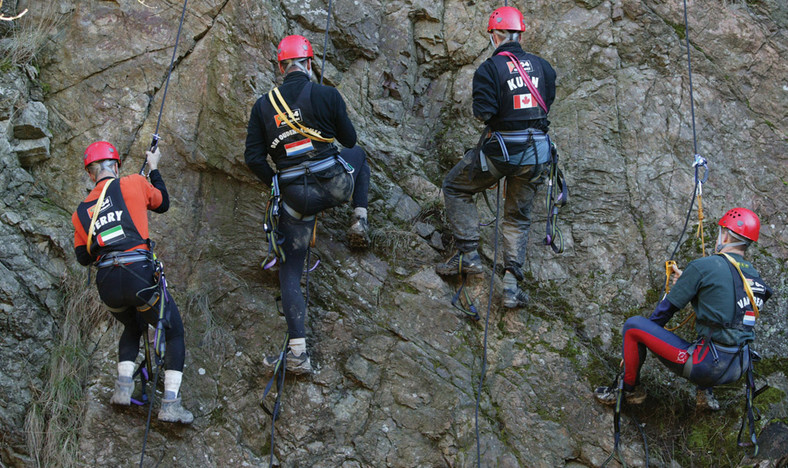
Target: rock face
{"x":34,"y":235}
{"x":398,"y":367}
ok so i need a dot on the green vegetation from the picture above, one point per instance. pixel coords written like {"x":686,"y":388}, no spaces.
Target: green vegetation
{"x":681,"y":32}
{"x":768,"y":366}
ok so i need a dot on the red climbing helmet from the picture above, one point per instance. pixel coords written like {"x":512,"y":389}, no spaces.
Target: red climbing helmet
{"x":506,"y":18}
{"x":100,"y":151}
{"x":743,"y":222}
{"x":293,"y":47}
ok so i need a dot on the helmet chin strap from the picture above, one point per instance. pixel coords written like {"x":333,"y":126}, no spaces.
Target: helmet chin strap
{"x":720,"y":246}
{"x":492,"y":42}
{"x":300,"y":66}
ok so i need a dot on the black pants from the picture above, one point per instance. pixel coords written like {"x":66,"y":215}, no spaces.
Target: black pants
{"x":118,"y":287}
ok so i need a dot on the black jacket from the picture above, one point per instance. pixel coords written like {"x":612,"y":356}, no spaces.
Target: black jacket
{"x":487,"y":92}
{"x":330,"y":118}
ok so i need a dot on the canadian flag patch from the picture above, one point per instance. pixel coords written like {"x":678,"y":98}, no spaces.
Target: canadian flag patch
{"x":523,"y":101}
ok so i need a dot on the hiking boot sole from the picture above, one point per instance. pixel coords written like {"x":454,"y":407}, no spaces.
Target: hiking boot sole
{"x":357,"y":240}
{"x":176,"y":419}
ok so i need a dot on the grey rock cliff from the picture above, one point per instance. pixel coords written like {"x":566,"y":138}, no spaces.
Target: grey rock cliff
{"x":398,"y":367}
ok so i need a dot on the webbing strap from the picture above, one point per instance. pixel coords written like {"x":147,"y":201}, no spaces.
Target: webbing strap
{"x":557,"y":196}
{"x":748,"y":418}
{"x":279,"y":378}
{"x":747,"y":288}
{"x":291,"y":121}
{"x":456,"y":300}
{"x":96,"y":210}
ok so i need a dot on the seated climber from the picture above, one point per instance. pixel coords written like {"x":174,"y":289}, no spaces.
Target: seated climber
{"x":726,"y":292}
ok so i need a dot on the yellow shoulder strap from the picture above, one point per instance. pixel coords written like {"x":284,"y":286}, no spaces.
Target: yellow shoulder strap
{"x":96,"y":210}
{"x":747,"y":288}
{"x":275,"y":95}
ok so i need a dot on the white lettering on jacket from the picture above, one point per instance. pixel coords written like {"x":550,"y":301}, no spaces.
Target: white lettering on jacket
{"x":518,"y":82}
{"x":111,"y":217}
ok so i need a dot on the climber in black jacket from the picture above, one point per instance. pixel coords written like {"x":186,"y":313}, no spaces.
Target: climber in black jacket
{"x":296,"y":124}
{"x":515,"y":146}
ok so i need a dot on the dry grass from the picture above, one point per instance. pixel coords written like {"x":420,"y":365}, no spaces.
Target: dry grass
{"x":216,"y":339}
{"x":26,"y":35}
{"x":54,"y":419}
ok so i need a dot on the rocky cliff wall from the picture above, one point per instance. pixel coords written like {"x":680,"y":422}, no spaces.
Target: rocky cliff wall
{"x":398,"y":367}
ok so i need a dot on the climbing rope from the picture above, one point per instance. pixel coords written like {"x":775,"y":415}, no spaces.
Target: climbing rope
{"x":325,"y":42}
{"x":699,"y":181}
{"x":486,"y":325}
{"x":618,"y":384}
{"x":158,"y":348}
{"x":271,"y":224}
{"x":696,"y":193}
{"x":155,"y":140}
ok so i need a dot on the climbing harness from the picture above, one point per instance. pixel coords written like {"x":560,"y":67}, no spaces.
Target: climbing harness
{"x":155,"y":140}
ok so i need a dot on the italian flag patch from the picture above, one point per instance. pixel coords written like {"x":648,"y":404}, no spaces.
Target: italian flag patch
{"x":111,"y":235}
{"x":749,"y":318}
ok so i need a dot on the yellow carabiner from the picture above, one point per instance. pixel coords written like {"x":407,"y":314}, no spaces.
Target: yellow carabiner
{"x":668,"y":271}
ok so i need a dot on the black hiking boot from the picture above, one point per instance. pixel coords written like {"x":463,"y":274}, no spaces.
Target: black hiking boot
{"x":609,"y":395}
{"x":462,"y":262}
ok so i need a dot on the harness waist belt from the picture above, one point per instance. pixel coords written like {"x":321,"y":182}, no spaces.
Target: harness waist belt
{"x":118,"y":258}
{"x":520,"y":136}
{"x":728,"y":349}
{"x":306,"y":168}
